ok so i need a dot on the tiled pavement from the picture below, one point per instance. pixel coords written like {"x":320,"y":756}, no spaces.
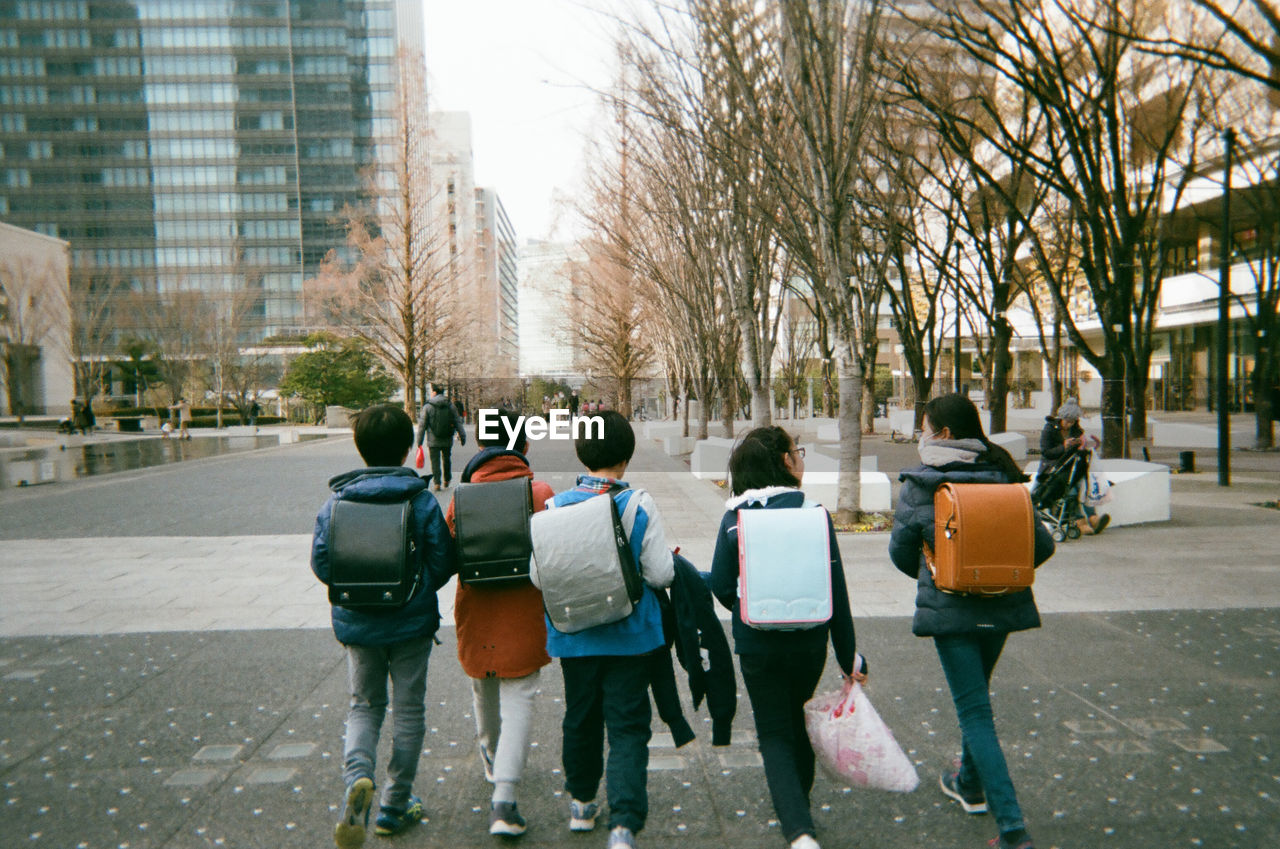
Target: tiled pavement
{"x":180,"y":691}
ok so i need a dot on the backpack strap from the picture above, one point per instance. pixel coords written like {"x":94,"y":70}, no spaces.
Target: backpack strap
{"x":629,"y":514}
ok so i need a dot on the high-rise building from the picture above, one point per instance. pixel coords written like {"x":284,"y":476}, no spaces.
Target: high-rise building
{"x":482,"y":250}
{"x":496,"y":256}
{"x":196,"y":144}
{"x":548,"y":347}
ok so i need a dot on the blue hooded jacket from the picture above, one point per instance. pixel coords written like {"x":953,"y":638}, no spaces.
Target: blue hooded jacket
{"x":939,"y":613}
{"x":421,"y":616}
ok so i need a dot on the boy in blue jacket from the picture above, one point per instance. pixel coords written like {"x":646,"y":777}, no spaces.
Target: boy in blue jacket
{"x":604,"y":685}
{"x":394,"y":643}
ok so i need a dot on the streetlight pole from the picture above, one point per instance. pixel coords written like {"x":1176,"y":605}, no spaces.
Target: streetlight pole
{"x":1224,"y":324}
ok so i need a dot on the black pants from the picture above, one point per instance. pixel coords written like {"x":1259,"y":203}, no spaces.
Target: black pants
{"x":608,"y":693}
{"x":442,"y":456}
{"x":778,"y":686}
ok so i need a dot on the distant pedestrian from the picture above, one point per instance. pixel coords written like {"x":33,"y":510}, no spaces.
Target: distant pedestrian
{"x":969,"y":631}
{"x":574,"y":403}
{"x":184,"y":417}
{"x":80,"y":417}
{"x":254,"y":412}
{"x":392,"y":643}
{"x":437,"y":423}
{"x":1061,"y":436}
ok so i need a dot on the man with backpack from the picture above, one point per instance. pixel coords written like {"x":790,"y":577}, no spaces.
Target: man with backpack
{"x":382,"y":547}
{"x":437,"y":423}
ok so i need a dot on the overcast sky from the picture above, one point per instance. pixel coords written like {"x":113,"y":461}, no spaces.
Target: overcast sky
{"x":523,"y":69}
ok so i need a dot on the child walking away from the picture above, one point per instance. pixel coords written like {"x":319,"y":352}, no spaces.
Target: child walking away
{"x":606,"y":686}
{"x":969,"y":631}
{"x":796,"y":602}
{"x":382,"y":547}
{"x":502,"y":640}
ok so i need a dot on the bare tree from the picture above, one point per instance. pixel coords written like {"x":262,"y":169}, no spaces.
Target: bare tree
{"x":821,"y":54}
{"x":1238,"y":36}
{"x":95,"y":301}
{"x":606,"y":315}
{"x":1120,"y":137}
{"x":397,"y":285}
{"x":32,"y":304}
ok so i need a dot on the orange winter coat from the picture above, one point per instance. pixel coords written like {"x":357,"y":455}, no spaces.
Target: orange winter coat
{"x":502,"y":631}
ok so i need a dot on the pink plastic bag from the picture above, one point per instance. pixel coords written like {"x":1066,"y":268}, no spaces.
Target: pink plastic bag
{"x":853,"y":743}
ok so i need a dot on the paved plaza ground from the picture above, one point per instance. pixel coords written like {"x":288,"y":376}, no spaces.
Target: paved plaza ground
{"x":168,"y":677}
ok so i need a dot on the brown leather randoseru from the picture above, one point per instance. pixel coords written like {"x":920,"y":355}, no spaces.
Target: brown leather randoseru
{"x":984,"y":538}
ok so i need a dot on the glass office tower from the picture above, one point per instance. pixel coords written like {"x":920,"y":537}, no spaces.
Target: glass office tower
{"x":194,"y":144}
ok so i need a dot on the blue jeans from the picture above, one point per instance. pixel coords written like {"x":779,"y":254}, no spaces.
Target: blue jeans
{"x":368,"y":668}
{"x":967,"y":661}
{"x":608,"y":692}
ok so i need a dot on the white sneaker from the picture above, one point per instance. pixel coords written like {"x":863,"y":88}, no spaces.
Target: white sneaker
{"x":805,"y":841}
{"x":621,"y":838}
{"x":582,"y":815}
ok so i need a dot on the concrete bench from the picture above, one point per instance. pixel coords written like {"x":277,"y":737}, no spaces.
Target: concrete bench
{"x":1140,"y":492}
{"x":1014,"y":443}
{"x":121,"y":424}
{"x":676,"y":446}
{"x":830,"y":431}
{"x":662,"y":430}
{"x":822,"y":475}
{"x":1182,"y":435}
{"x":710,"y":460}
{"x":242,"y":430}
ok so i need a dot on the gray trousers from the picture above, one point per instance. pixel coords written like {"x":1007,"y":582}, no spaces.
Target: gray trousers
{"x":368,"y":669}
{"x":504,"y":723}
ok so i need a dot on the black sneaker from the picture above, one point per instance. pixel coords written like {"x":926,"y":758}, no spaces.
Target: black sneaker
{"x":1001,"y":843}
{"x":972,"y":802}
{"x":505,"y":820}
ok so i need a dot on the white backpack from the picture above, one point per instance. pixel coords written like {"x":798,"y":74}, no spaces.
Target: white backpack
{"x":583,"y":563}
{"x":784,"y":568}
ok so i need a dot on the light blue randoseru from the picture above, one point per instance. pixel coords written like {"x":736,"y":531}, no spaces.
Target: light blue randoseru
{"x":784,"y":559}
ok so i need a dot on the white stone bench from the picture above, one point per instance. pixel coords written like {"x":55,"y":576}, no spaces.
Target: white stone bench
{"x":1182,"y":435}
{"x":710,"y":460}
{"x":242,"y":430}
{"x":1140,"y":492}
{"x":678,"y":445}
{"x":1014,"y":443}
{"x":661,"y":430}
{"x":822,"y":475}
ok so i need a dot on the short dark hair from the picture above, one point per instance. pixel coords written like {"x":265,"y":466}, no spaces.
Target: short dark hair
{"x":757,"y":460}
{"x":513,"y":425}
{"x":383,"y":434}
{"x":614,"y":449}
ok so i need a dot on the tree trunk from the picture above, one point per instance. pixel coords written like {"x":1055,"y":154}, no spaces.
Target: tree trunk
{"x":704,"y":405}
{"x":1263,"y":402}
{"x":1113,"y":414}
{"x":868,"y":406}
{"x":1138,"y":399}
{"x":761,"y":405}
{"x":685,"y":431}
{"x":849,"y":487}
{"x":1001,"y":360}
{"x":729,"y":410}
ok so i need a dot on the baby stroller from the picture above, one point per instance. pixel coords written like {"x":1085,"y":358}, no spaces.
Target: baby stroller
{"x":1056,"y":494}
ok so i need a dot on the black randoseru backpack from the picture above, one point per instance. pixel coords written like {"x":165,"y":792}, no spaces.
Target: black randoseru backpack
{"x":373,"y":561}
{"x":491,"y":523}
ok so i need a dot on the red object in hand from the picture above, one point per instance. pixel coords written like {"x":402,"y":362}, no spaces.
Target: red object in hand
{"x":419,"y":459}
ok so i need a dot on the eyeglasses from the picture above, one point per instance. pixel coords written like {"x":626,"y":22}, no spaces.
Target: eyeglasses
{"x":798,"y":451}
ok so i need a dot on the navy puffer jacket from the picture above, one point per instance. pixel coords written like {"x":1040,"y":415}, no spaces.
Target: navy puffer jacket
{"x":421,"y":616}
{"x":944,"y":614}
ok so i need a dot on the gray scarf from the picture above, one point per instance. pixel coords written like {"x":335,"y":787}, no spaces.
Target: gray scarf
{"x":940,"y":452}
